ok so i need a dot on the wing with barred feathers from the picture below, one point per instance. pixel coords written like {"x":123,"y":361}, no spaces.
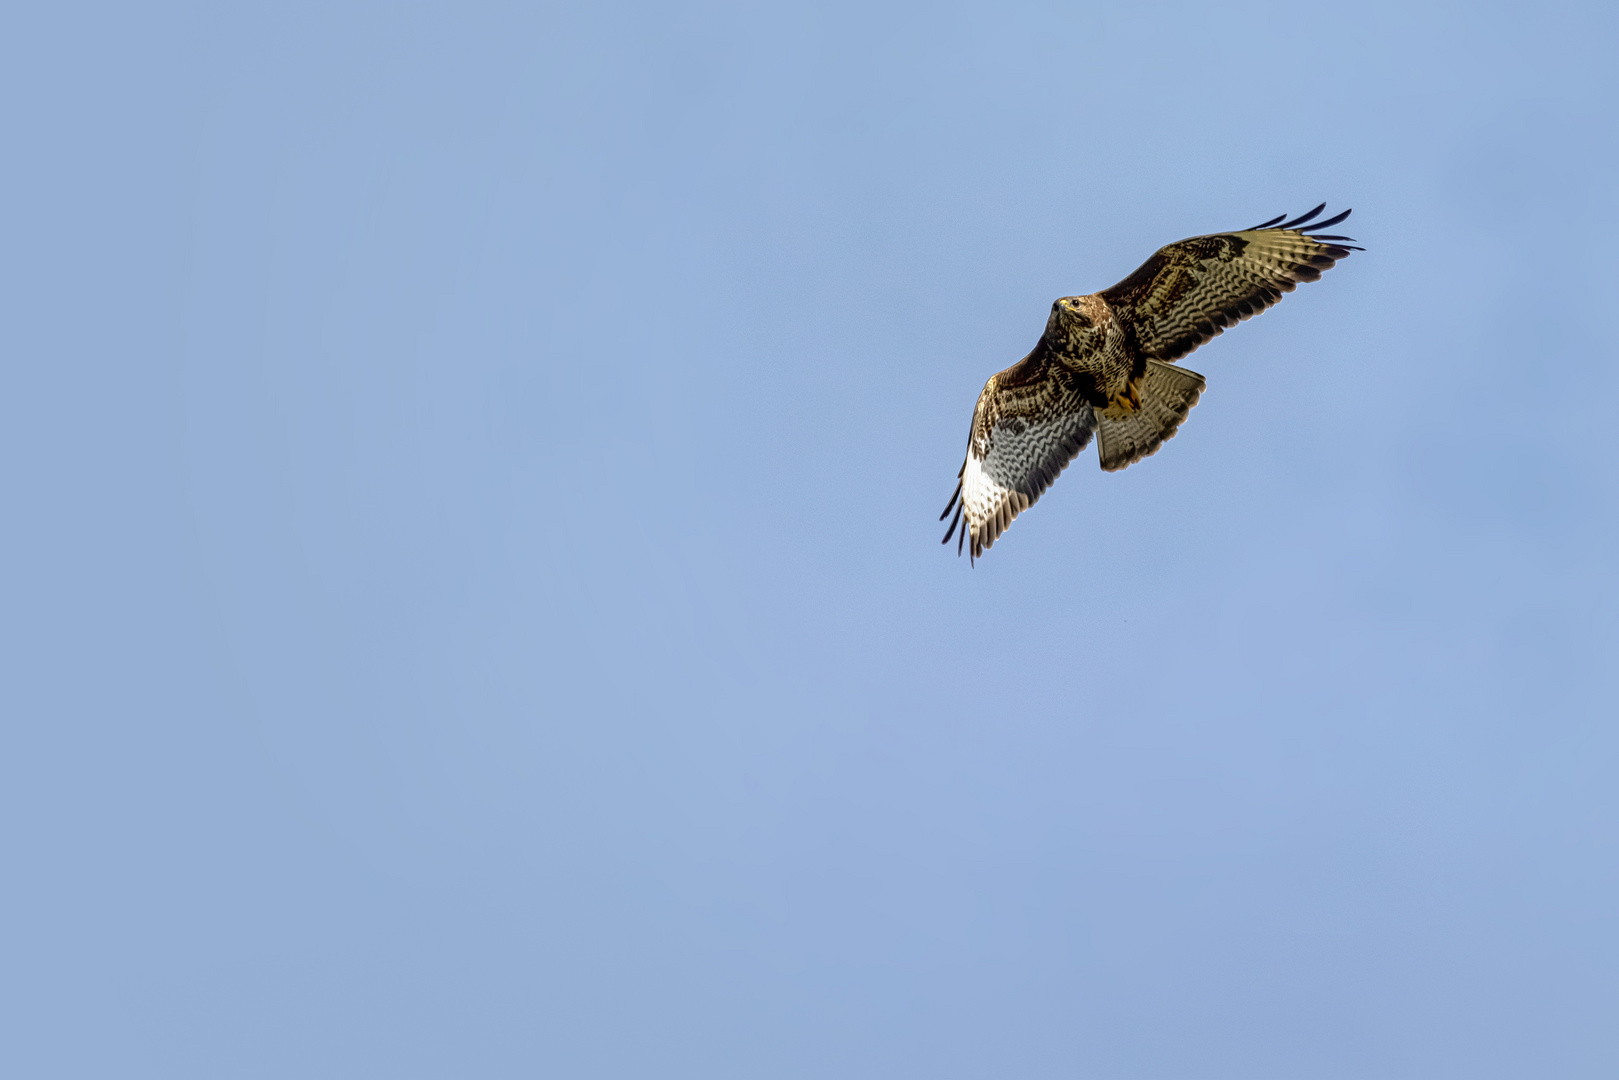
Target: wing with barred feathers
{"x":1030,"y":421}
{"x":1190,"y":291}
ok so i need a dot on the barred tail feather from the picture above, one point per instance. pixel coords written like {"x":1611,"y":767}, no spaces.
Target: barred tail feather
{"x":1167,"y":394}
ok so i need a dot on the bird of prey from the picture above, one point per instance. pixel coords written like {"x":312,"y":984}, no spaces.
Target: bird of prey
{"x":1105,"y":365}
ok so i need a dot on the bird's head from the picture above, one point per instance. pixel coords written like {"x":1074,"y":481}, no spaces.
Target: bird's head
{"x":1077,"y":320}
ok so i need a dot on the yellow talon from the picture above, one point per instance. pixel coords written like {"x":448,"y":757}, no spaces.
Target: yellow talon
{"x":1127,"y":402}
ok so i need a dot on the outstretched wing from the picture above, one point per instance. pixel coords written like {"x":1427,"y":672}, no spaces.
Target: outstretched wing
{"x":1030,"y":421}
{"x":1192,"y":290}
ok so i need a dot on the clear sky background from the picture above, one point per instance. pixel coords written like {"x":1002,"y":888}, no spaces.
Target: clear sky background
{"x":471,"y":591}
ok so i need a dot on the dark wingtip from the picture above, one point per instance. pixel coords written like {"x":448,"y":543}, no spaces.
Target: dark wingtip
{"x":953,"y":523}
{"x":1302,"y":218}
{"x":952,"y":501}
{"x":1329,"y":223}
{"x":1266,"y":225}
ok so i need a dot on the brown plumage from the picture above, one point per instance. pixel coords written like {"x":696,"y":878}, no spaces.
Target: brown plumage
{"x":1105,"y":365}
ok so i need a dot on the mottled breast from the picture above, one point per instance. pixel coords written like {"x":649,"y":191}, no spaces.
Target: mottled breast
{"x":1086,"y":336}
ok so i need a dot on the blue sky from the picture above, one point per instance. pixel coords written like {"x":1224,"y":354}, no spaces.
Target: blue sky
{"x":472,"y":594}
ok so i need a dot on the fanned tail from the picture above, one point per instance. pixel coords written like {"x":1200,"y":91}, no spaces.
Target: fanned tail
{"x":1167,"y":394}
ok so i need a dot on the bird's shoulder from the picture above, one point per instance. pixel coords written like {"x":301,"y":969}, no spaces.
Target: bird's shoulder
{"x":1170,"y":273}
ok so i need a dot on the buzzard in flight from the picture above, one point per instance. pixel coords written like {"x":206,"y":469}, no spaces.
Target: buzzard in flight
{"x":1105,"y":365}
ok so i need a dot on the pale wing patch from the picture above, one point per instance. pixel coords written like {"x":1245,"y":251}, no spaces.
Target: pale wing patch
{"x":988,"y":504}
{"x":1013,"y":464}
